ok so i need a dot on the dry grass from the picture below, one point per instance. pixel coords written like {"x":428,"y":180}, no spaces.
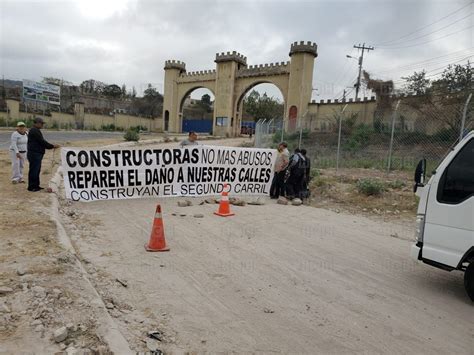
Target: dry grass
{"x":339,"y":191}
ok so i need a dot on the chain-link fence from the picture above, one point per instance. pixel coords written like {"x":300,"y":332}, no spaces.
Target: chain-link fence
{"x":265,"y":131}
{"x":390,"y":135}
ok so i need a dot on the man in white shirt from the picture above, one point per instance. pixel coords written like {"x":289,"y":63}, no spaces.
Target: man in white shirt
{"x":192,"y":140}
{"x":19,"y":141}
{"x":277,"y":188}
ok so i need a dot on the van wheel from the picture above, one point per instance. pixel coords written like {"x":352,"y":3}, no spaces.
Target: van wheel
{"x":469,"y":281}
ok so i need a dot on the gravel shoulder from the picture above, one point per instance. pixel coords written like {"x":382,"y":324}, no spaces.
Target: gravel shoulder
{"x":45,"y":286}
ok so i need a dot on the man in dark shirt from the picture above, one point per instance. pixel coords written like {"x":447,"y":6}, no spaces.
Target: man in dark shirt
{"x":35,"y":152}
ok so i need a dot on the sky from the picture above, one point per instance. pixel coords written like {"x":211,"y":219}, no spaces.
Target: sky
{"x":128,"y":41}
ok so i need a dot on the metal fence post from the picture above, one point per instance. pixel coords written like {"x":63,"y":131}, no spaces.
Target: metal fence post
{"x":394,"y":116}
{"x":339,"y":137}
{"x":282,"y":129}
{"x":463,"y":119}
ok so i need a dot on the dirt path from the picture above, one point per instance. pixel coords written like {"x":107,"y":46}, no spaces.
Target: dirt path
{"x":273,"y":278}
{"x":45,"y":286}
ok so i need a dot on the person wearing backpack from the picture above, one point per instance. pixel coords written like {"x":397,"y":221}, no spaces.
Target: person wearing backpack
{"x":296,"y":172}
{"x":305,"y":192}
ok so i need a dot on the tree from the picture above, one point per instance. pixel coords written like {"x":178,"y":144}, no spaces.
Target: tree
{"x":456,"y":79}
{"x":444,"y":98}
{"x":56,"y":81}
{"x":417,"y":83}
{"x":206,"y":99}
{"x":92,"y":87}
{"x":151,"y":93}
{"x":133,"y":94}
{"x":151,"y":104}
{"x":113,"y":91}
{"x":262,"y":106}
{"x":206,"y":103}
{"x":124,"y":91}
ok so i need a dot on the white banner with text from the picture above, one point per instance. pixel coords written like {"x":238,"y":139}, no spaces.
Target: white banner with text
{"x":108,"y":174}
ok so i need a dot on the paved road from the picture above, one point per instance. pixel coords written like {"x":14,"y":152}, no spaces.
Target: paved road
{"x":62,"y":136}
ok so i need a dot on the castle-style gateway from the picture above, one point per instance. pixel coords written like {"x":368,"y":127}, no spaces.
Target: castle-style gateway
{"x":232,"y":79}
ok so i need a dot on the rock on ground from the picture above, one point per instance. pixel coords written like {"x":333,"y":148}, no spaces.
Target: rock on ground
{"x":296,"y":202}
{"x":282,"y":200}
{"x":60,"y":334}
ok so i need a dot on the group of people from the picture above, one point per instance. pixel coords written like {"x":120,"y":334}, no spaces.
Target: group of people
{"x":291,"y":179}
{"x":292,"y":174}
{"x":29,"y":145}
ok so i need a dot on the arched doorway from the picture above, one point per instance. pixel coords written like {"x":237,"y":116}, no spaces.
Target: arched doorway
{"x":167,"y":120}
{"x":260,"y":101}
{"x":292,"y":117}
{"x":196,"y":110}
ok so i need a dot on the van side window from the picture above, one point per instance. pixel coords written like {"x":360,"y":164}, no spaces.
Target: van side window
{"x":457,"y":181}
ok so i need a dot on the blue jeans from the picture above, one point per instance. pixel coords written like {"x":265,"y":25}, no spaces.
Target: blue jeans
{"x":34,"y":158}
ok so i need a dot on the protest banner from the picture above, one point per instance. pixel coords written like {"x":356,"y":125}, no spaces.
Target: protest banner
{"x":108,"y":174}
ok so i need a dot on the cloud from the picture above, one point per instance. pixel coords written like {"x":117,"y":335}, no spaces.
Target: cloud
{"x":120,"y":41}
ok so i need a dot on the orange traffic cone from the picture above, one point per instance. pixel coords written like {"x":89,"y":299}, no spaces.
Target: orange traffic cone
{"x":224,"y":205}
{"x":157,"y":239}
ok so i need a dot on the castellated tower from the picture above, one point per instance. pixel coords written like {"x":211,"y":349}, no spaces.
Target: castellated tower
{"x":227,"y":66}
{"x":300,"y":82}
{"x":173,"y":69}
{"x":232,"y":80}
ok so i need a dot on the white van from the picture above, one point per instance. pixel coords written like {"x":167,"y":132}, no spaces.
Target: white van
{"x":445,"y":216}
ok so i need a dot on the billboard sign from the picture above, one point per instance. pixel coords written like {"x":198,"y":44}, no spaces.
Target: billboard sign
{"x":33,"y":90}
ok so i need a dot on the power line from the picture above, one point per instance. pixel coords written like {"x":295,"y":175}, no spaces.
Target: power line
{"x":428,"y":25}
{"x":344,"y":71}
{"x":430,"y":33}
{"x":433,"y":70}
{"x":425,"y":65}
{"x":425,"y":60}
{"x":435,"y":39}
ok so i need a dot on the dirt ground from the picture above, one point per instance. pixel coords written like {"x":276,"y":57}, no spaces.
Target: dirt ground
{"x":337,"y":191}
{"x":271,"y":279}
{"x":45,"y":286}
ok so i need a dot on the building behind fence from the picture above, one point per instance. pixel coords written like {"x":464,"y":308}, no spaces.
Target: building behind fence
{"x":366,"y":134}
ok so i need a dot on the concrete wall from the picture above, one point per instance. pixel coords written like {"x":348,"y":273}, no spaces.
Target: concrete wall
{"x":90,"y":121}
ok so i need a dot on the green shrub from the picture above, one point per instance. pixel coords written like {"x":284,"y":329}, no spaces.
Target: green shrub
{"x":359,"y":138}
{"x":446,"y":135}
{"x":314,"y":173}
{"x":397,"y":184}
{"x":54,"y":125}
{"x":131,"y":135}
{"x":108,"y":127}
{"x":138,"y":128}
{"x":319,"y":181}
{"x":370,"y":187}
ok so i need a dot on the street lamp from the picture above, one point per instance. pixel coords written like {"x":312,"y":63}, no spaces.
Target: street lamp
{"x":357,"y":85}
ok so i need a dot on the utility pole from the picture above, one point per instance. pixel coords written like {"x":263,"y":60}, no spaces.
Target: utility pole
{"x":361,"y":59}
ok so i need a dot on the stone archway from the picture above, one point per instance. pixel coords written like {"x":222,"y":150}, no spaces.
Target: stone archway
{"x":232,"y":78}
{"x":245,"y":88}
{"x":183,"y":95}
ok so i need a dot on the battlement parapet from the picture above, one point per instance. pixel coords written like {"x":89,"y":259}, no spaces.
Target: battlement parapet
{"x":202,"y":75}
{"x":343,"y":101}
{"x":264,"y":69}
{"x":302,"y":47}
{"x":231,"y":57}
{"x":175,"y":64}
